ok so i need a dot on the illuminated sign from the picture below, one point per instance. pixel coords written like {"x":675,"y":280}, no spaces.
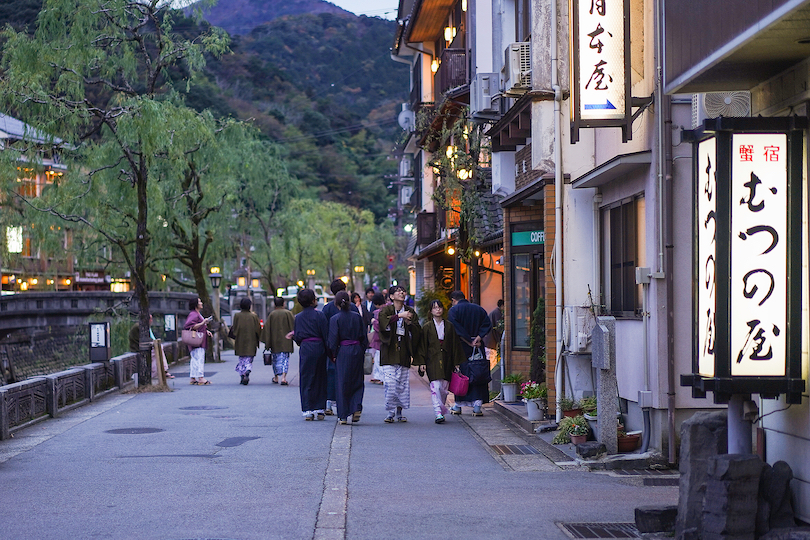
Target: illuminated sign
{"x":601,"y":58}
{"x":747,"y":258}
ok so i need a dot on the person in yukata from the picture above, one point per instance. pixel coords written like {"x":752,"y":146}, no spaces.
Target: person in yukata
{"x":348,"y":340}
{"x":399,"y":333}
{"x":374,"y":342}
{"x":310,"y":333}
{"x":472,"y":323}
{"x":279,"y":323}
{"x":493,"y":339}
{"x":330,"y":310}
{"x":440,"y":352}
{"x":247,"y":330}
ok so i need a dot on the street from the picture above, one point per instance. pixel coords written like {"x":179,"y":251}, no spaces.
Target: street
{"x":237,"y":462}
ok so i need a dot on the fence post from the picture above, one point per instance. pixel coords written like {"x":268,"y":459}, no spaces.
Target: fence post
{"x":51,"y":400}
{"x":4,"y":423}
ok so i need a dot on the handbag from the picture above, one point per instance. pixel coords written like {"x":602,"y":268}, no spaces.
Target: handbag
{"x":477,"y":368}
{"x":368,"y":362}
{"x":459,"y":384}
{"x":231,"y":333}
{"x":268,"y":358}
{"x":192,"y":338}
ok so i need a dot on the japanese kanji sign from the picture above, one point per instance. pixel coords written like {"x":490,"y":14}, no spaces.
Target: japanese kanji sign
{"x":747,"y":257}
{"x":601,"y":65}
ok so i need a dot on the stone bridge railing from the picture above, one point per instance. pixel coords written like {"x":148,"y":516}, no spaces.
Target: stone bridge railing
{"x":33,"y":400}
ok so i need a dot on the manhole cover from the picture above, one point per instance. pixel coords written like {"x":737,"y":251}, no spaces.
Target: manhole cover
{"x":235,"y":441}
{"x":134,"y":431}
{"x":600,"y":530}
{"x":202,"y":408}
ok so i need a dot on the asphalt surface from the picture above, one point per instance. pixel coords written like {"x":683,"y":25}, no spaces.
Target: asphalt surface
{"x":234,"y":462}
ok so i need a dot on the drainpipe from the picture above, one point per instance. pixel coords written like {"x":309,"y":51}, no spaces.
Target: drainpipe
{"x":558,"y":262}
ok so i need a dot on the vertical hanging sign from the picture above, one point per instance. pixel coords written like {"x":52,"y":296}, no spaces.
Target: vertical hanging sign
{"x":747,"y":258}
{"x":601,"y":66}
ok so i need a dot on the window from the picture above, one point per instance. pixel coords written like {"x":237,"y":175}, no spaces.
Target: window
{"x":528,"y":279}
{"x":521,"y":299}
{"x":623,"y":252}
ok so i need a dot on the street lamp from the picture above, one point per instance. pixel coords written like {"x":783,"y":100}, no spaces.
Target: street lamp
{"x":216,"y":278}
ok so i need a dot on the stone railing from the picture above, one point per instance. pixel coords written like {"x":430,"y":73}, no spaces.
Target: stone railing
{"x":28,"y":402}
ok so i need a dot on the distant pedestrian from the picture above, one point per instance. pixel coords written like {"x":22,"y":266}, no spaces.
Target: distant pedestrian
{"x":311,"y":332}
{"x":440,"y":352}
{"x":348,"y":341}
{"x":493,"y":339}
{"x":279,"y":323}
{"x":329,"y":310}
{"x":368,"y":302}
{"x":195,"y":321}
{"x":246,"y":330}
{"x":472,"y":323}
{"x":374,"y":342}
{"x":399,"y":333}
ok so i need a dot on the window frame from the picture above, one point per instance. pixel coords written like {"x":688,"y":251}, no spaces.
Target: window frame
{"x":620,"y":220}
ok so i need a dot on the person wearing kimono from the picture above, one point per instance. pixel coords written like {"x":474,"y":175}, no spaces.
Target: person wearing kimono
{"x":329,"y":310}
{"x":246,"y":330}
{"x":440,"y":352}
{"x":348,"y":341}
{"x":471,"y":323}
{"x":399,"y":334}
{"x":279,"y":323}
{"x":374,"y":343}
{"x":311,"y":332}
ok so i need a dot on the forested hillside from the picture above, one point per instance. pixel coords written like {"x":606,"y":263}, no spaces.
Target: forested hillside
{"x":322,"y":85}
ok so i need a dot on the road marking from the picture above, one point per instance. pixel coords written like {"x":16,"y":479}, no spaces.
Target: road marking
{"x":331,"y":522}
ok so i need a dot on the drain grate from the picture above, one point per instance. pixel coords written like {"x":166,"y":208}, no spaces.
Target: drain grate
{"x":514,"y":449}
{"x":134,"y":431}
{"x":600,"y":530}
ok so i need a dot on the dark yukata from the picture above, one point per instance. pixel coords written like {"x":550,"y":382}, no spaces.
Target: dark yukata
{"x":348,"y":340}
{"x":330,"y":310}
{"x":311,"y":333}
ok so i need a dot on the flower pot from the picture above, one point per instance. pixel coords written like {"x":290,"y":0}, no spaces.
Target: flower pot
{"x":578,"y":439}
{"x":509,"y":392}
{"x":593,"y":425}
{"x":572,"y":413}
{"x":628,"y":443}
{"x":535,"y":408}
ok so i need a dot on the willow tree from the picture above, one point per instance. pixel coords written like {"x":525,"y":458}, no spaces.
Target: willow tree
{"x":95,"y":72}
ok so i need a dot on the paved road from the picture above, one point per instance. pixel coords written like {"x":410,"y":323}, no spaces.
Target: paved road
{"x":237,"y":462}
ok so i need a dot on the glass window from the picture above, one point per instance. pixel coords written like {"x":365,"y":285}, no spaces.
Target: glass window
{"x":624,"y":252}
{"x":521,"y":299}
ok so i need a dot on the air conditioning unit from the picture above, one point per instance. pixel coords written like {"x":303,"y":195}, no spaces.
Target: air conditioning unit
{"x":713,"y":104}
{"x":517,"y":69}
{"x":482,"y":89}
{"x":406,"y":167}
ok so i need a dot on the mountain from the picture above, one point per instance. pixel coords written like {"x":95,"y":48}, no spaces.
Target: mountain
{"x":239,"y":17}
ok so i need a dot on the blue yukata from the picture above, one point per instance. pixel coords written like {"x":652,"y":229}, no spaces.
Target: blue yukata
{"x":329,"y":311}
{"x":311,"y":333}
{"x":348,"y":340}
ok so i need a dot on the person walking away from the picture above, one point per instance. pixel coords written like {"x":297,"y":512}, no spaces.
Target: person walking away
{"x":399,"y":333}
{"x":330,"y":310}
{"x":374,"y":342}
{"x":279,"y":323}
{"x":471,"y":323}
{"x":195,"y":321}
{"x":348,"y":341}
{"x":310,"y":333}
{"x":246,"y":330}
{"x":440,"y":352}
{"x":493,"y":339}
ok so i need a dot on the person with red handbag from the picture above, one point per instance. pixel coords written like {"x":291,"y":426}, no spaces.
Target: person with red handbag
{"x":472,"y":323}
{"x":440,"y":352}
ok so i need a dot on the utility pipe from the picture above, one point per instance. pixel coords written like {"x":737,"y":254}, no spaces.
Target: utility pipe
{"x":558,"y":261}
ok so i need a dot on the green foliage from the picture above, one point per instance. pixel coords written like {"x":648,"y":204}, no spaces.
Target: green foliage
{"x":537,"y":341}
{"x":588,"y":405}
{"x":425,"y":297}
{"x":514,"y":378}
{"x":563,"y":435}
{"x":533,"y":390}
{"x":568,"y":404}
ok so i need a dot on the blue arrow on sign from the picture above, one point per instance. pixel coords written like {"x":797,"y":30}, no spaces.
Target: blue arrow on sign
{"x":606,"y":105}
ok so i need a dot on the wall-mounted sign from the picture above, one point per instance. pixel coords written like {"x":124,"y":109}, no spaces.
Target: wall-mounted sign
{"x":601,"y":66}
{"x":747,"y":258}
{"x":99,"y":341}
{"x":528,"y":238}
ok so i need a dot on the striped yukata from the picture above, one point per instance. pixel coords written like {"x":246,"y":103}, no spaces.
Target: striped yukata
{"x":281,"y":363}
{"x":397,"y":388}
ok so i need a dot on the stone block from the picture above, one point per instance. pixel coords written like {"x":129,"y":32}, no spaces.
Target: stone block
{"x":651,"y":519}
{"x":735,"y":467}
{"x":775,"y":509}
{"x":790,"y":533}
{"x":591,"y":450}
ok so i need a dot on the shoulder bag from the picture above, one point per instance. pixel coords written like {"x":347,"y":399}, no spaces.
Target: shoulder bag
{"x":459,"y":384}
{"x":192,"y":338}
{"x":368,"y":361}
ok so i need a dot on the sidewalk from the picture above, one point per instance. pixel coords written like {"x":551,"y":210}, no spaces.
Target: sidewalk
{"x":239,"y":462}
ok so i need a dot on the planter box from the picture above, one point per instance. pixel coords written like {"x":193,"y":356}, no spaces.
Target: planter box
{"x":628,"y":443}
{"x":509,"y":392}
{"x":572,"y":413}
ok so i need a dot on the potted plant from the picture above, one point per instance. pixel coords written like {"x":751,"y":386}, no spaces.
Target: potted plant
{"x":570,"y":407}
{"x":509,"y":386}
{"x":566,"y":425}
{"x":627,"y":442}
{"x":535,"y":395}
{"x":588,"y":405}
{"x":578,"y":434}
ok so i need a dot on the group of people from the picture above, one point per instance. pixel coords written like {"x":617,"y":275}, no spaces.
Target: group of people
{"x":333,"y":344}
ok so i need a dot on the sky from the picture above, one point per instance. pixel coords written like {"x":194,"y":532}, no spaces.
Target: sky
{"x":386,"y":9}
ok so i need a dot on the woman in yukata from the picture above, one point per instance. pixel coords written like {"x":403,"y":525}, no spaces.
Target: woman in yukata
{"x":348,"y":340}
{"x":310,"y":333}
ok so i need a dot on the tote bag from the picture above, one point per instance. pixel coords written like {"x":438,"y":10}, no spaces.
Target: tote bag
{"x":192,"y":338}
{"x":368,"y":361}
{"x":459,"y":384}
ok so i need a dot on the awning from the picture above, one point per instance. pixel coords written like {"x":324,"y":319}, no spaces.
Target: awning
{"x":529,"y":195}
{"x":515,"y":127}
{"x":612,"y":169}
